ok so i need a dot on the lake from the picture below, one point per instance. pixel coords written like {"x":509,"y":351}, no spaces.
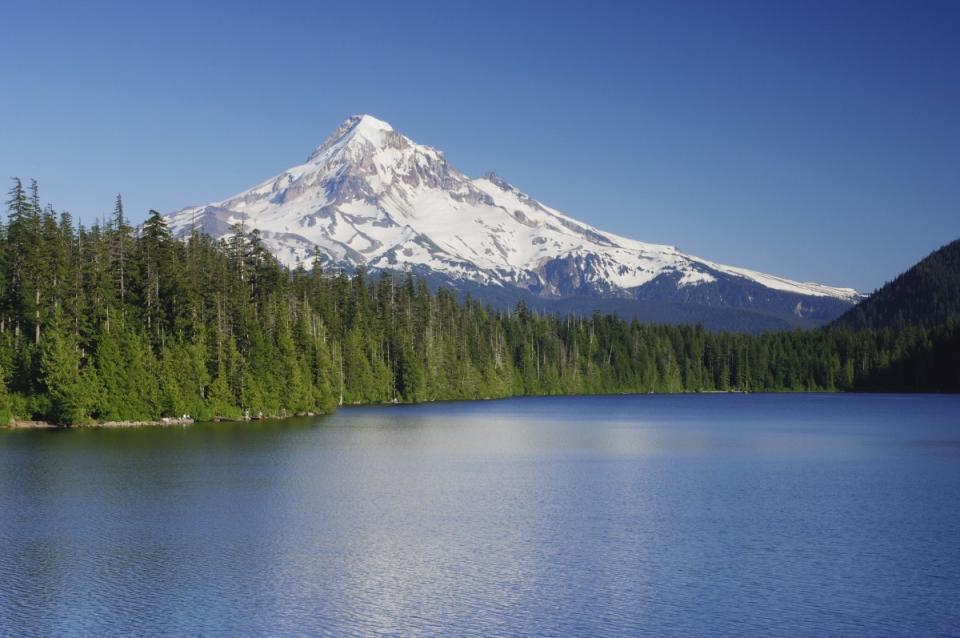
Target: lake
{"x":698,"y":515}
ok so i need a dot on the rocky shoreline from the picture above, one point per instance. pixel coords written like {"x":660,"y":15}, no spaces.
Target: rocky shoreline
{"x":183,"y":421}
{"x":44,"y":425}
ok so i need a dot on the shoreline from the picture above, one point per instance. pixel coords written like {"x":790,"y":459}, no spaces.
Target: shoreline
{"x":157,"y":423}
{"x":45,"y":425}
{"x":186,"y":421}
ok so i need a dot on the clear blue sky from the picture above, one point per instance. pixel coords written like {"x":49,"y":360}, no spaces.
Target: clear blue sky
{"x":816,"y":140}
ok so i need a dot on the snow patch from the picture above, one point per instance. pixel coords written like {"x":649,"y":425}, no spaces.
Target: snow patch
{"x":369,"y":195}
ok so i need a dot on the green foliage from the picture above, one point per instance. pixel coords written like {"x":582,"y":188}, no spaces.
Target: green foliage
{"x":72,"y":387}
{"x":129,"y":375}
{"x":184,"y":379}
{"x":928,"y":294}
{"x":6,"y":403}
{"x":103,"y":323}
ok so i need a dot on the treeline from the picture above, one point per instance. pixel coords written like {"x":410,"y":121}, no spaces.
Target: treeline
{"x":928,"y":294}
{"x":104,"y":323}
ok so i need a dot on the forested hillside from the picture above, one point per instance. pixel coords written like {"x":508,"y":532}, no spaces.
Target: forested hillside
{"x":102,"y":323}
{"x":928,"y":294}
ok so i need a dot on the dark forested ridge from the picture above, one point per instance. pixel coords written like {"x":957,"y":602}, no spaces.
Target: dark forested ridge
{"x":103,"y":323}
{"x":928,"y":294}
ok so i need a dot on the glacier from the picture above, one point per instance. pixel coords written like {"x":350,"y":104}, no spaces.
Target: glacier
{"x":370,"y":196}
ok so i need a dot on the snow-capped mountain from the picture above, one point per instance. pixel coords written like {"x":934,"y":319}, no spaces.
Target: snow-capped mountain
{"x":371,"y":196}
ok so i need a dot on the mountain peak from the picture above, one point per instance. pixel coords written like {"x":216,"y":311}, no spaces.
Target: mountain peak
{"x":356,"y":127}
{"x":365,"y":124}
{"x":371,"y":196}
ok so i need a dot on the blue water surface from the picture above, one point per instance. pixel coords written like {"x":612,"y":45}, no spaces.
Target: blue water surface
{"x":696,"y":515}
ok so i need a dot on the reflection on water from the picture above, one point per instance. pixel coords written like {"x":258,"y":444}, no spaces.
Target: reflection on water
{"x":709,"y":515}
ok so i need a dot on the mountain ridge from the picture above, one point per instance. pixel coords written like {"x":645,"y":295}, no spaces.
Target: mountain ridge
{"x":369,"y":196}
{"x":926,"y":294}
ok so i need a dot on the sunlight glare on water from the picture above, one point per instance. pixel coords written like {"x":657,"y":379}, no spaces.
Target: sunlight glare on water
{"x":690,"y":515}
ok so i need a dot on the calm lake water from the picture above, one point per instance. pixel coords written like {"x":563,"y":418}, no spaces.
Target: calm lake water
{"x":686,"y":515}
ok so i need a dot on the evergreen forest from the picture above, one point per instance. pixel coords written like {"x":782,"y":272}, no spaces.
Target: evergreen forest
{"x":111,"y":323}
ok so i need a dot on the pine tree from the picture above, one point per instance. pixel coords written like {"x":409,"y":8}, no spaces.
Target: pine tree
{"x":72,"y":385}
{"x":121,"y":232}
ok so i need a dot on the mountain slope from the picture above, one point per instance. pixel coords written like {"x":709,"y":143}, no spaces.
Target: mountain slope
{"x":369,"y":196}
{"x":925,"y":295}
